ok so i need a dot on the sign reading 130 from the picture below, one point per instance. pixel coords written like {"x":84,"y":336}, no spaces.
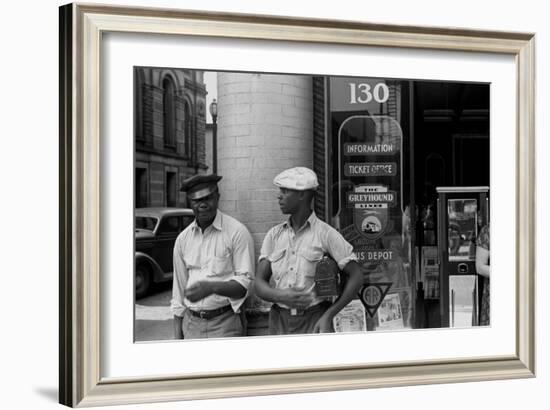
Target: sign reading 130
{"x":364,"y":93}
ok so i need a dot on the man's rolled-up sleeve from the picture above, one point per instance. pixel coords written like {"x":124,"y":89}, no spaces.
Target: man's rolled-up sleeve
{"x":340,"y":249}
{"x":267,"y":246}
{"x":243,"y":263}
{"x":179,"y":283}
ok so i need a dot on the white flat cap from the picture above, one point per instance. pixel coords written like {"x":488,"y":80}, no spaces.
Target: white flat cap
{"x":298,"y":179}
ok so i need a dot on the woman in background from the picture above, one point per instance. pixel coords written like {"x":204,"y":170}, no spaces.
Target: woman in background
{"x":483,"y":269}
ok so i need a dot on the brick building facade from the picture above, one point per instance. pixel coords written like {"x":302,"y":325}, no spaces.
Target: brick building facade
{"x":169,"y":131}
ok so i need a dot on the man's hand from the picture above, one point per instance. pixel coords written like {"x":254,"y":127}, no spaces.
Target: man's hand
{"x":297,"y":298}
{"x":324,"y":324}
{"x":178,"y":331}
{"x":198,"y":290}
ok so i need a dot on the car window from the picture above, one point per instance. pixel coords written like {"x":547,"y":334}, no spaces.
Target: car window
{"x":146,"y":222}
{"x":186,"y":220}
{"x":170,"y":224}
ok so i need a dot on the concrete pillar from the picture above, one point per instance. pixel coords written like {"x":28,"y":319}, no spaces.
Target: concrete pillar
{"x":265,"y":125}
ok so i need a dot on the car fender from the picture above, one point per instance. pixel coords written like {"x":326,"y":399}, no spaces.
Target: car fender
{"x":141,"y":257}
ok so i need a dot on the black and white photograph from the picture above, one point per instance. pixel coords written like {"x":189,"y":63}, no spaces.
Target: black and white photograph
{"x":285,"y":204}
{"x":275,"y":205}
{"x":263,"y":205}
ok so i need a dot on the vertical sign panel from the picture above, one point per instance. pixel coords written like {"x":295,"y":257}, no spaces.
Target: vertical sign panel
{"x":369,"y":207}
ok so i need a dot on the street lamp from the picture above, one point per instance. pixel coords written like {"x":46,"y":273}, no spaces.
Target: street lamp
{"x":214,"y":113}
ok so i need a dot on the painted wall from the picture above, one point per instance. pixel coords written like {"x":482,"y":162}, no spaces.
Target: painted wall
{"x":28,"y":346}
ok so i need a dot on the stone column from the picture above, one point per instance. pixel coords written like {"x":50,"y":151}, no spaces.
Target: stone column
{"x":265,"y":125}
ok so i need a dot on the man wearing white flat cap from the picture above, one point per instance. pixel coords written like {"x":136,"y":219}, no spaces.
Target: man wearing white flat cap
{"x":289,"y":256}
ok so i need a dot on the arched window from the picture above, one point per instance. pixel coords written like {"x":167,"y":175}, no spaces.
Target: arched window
{"x":169,"y":112}
{"x":188,"y":129}
{"x":138,"y":105}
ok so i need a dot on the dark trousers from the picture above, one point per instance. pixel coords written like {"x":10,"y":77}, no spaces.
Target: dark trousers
{"x":283,"y":322}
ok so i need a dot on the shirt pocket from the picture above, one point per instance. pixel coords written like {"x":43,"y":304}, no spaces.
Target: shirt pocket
{"x":278,"y":266}
{"x":309,"y":258}
{"x":191,"y":262}
{"x":220,"y":266}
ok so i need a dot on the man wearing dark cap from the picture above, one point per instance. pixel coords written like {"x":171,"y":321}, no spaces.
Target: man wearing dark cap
{"x":213,"y":267}
{"x":289,"y":257}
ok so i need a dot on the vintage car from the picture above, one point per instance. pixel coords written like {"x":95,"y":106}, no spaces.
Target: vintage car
{"x":156,"y":231}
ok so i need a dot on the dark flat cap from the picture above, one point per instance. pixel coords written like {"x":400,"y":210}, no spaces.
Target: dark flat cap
{"x":199,"y":186}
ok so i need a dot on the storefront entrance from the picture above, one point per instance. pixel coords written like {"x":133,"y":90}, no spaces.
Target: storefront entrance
{"x":385,"y":149}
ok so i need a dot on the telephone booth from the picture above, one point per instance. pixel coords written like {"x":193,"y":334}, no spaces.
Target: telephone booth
{"x":462,"y":212}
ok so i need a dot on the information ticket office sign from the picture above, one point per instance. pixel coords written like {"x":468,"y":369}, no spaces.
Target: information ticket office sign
{"x":369,"y":206}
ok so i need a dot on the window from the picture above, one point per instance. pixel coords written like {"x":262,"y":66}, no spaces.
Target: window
{"x":171,"y":191}
{"x":188,"y":128}
{"x":138,"y":105}
{"x":146,"y":223}
{"x":169,"y":112}
{"x":141,"y":188}
{"x":169,"y":225}
{"x":186,"y":220}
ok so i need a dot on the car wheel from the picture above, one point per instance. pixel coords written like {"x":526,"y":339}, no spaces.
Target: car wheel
{"x":143,"y":280}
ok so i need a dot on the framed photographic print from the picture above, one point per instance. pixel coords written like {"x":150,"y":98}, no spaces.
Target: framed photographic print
{"x":257,"y":205}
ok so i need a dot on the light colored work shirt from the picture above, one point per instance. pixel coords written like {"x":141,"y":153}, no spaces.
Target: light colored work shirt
{"x":224,"y":251}
{"x":294,"y":256}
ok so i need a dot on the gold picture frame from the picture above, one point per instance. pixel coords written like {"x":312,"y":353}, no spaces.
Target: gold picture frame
{"x":81,"y":30}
